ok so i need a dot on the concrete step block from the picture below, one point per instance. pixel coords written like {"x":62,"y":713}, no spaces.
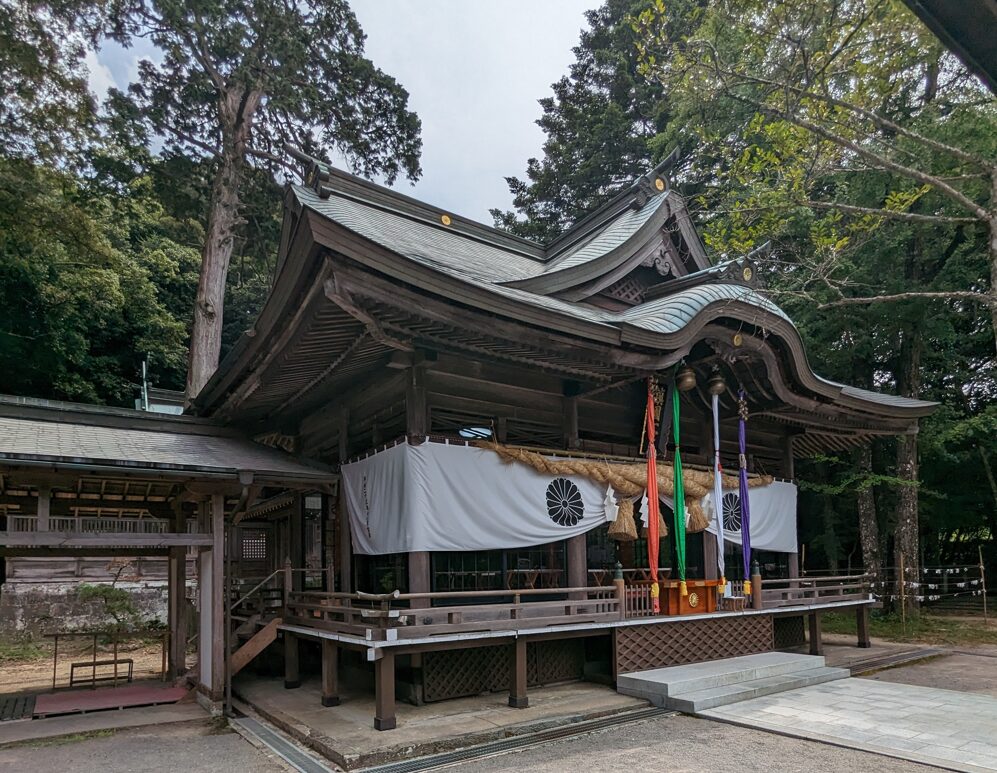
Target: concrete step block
{"x":717,"y":673}
{"x":700,"y":700}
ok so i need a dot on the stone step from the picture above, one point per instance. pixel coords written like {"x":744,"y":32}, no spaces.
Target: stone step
{"x":709,"y":698}
{"x":674,"y":680}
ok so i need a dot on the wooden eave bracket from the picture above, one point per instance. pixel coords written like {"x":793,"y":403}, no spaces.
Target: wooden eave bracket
{"x":342,"y":298}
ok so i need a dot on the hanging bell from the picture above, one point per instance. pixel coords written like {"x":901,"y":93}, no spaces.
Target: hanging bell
{"x":685,"y":379}
{"x":716,"y":385}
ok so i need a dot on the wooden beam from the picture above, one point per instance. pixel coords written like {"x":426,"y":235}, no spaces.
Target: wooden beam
{"x":43,"y":552}
{"x":370,"y":286}
{"x":69,"y":539}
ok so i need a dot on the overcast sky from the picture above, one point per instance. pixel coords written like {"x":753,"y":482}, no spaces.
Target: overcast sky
{"x":474,"y":69}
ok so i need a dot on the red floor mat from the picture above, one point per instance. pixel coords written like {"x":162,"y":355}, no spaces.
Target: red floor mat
{"x":75,"y":701}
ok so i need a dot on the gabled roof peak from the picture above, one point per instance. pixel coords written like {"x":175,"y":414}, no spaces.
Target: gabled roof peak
{"x":325,"y":180}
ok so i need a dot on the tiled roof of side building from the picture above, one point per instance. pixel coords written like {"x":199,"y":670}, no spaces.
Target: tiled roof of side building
{"x":57,"y":433}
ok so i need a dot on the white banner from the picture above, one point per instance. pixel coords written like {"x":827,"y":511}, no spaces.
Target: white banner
{"x":436,"y":496}
{"x":773,"y":516}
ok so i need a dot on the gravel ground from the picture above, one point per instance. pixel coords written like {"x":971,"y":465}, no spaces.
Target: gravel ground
{"x":966,"y":669}
{"x":677,"y":744}
{"x":181,"y":748}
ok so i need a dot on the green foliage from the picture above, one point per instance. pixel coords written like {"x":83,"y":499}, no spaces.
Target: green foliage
{"x":90,"y":284}
{"x":45,"y":106}
{"x":20,"y":651}
{"x":599,"y":126}
{"x":927,"y":628}
{"x":116,"y":602}
{"x":300,"y":64}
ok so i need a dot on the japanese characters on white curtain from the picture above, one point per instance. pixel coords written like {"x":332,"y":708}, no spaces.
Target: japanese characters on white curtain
{"x":436,"y":496}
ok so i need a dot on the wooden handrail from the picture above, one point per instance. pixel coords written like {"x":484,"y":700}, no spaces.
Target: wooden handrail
{"x":812,"y":580}
{"x":470,"y":594}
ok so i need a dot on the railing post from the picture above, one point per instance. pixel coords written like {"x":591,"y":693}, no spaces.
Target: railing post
{"x":756,"y":586}
{"x":621,"y":589}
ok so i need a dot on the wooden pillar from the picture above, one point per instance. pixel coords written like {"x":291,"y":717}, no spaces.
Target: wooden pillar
{"x":417,"y":425}
{"x":176,"y":583}
{"x":330,"y":673}
{"x":757,"y":596}
{"x":292,"y":670}
{"x":44,"y":508}
{"x":816,"y":645}
{"x":205,"y":577}
{"x":345,"y":546}
{"x":328,"y":543}
{"x":789,"y":470}
{"x":569,"y":414}
{"x":418,"y":577}
{"x":384,"y":691}
{"x":862,"y":626}
{"x":576,"y":554}
{"x":217,"y":596}
{"x":416,"y":410}
{"x":711,"y":571}
{"x":296,"y":540}
{"x":517,"y":683}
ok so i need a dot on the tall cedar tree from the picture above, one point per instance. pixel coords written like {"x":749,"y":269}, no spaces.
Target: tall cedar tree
{"x":237,"y":80}
{"x":600,"y":124}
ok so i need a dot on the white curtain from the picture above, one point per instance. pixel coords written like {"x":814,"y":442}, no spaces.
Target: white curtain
{"x":436,"y":496}
{"x":773,"y":516}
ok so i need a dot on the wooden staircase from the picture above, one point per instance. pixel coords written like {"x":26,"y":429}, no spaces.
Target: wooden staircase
{"x":258,"y":642}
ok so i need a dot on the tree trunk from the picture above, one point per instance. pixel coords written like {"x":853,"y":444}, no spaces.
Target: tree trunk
{"x":206,"y":334}
{"x":868,"y":525}
{"x":907,"y":540}
{"x":237,"y":108}
{"x":992,"y":250}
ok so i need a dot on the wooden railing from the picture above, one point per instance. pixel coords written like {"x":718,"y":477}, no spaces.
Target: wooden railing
{"x":411,"y":615}
{"x":91,"y":524}
{"x":638,"y":599}
{"x":816,"y":590}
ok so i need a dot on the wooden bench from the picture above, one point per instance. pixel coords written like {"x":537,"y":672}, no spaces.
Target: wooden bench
{"x":732,"y":603}
{"x":95,"y":664}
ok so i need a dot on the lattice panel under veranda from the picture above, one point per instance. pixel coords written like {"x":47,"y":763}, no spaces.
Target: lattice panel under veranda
{"x":788,"y":632}
{"x":459,"y":673}
{"x":641,"y":647}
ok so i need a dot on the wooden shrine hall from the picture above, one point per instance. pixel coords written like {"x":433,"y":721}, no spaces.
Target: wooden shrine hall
{"x":448,"y":420}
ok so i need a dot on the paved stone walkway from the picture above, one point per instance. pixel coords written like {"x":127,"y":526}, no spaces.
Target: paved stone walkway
{"x":922,"y":724}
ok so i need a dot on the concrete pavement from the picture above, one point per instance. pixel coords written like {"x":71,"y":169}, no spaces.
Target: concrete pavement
{"x":956,"y":730}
